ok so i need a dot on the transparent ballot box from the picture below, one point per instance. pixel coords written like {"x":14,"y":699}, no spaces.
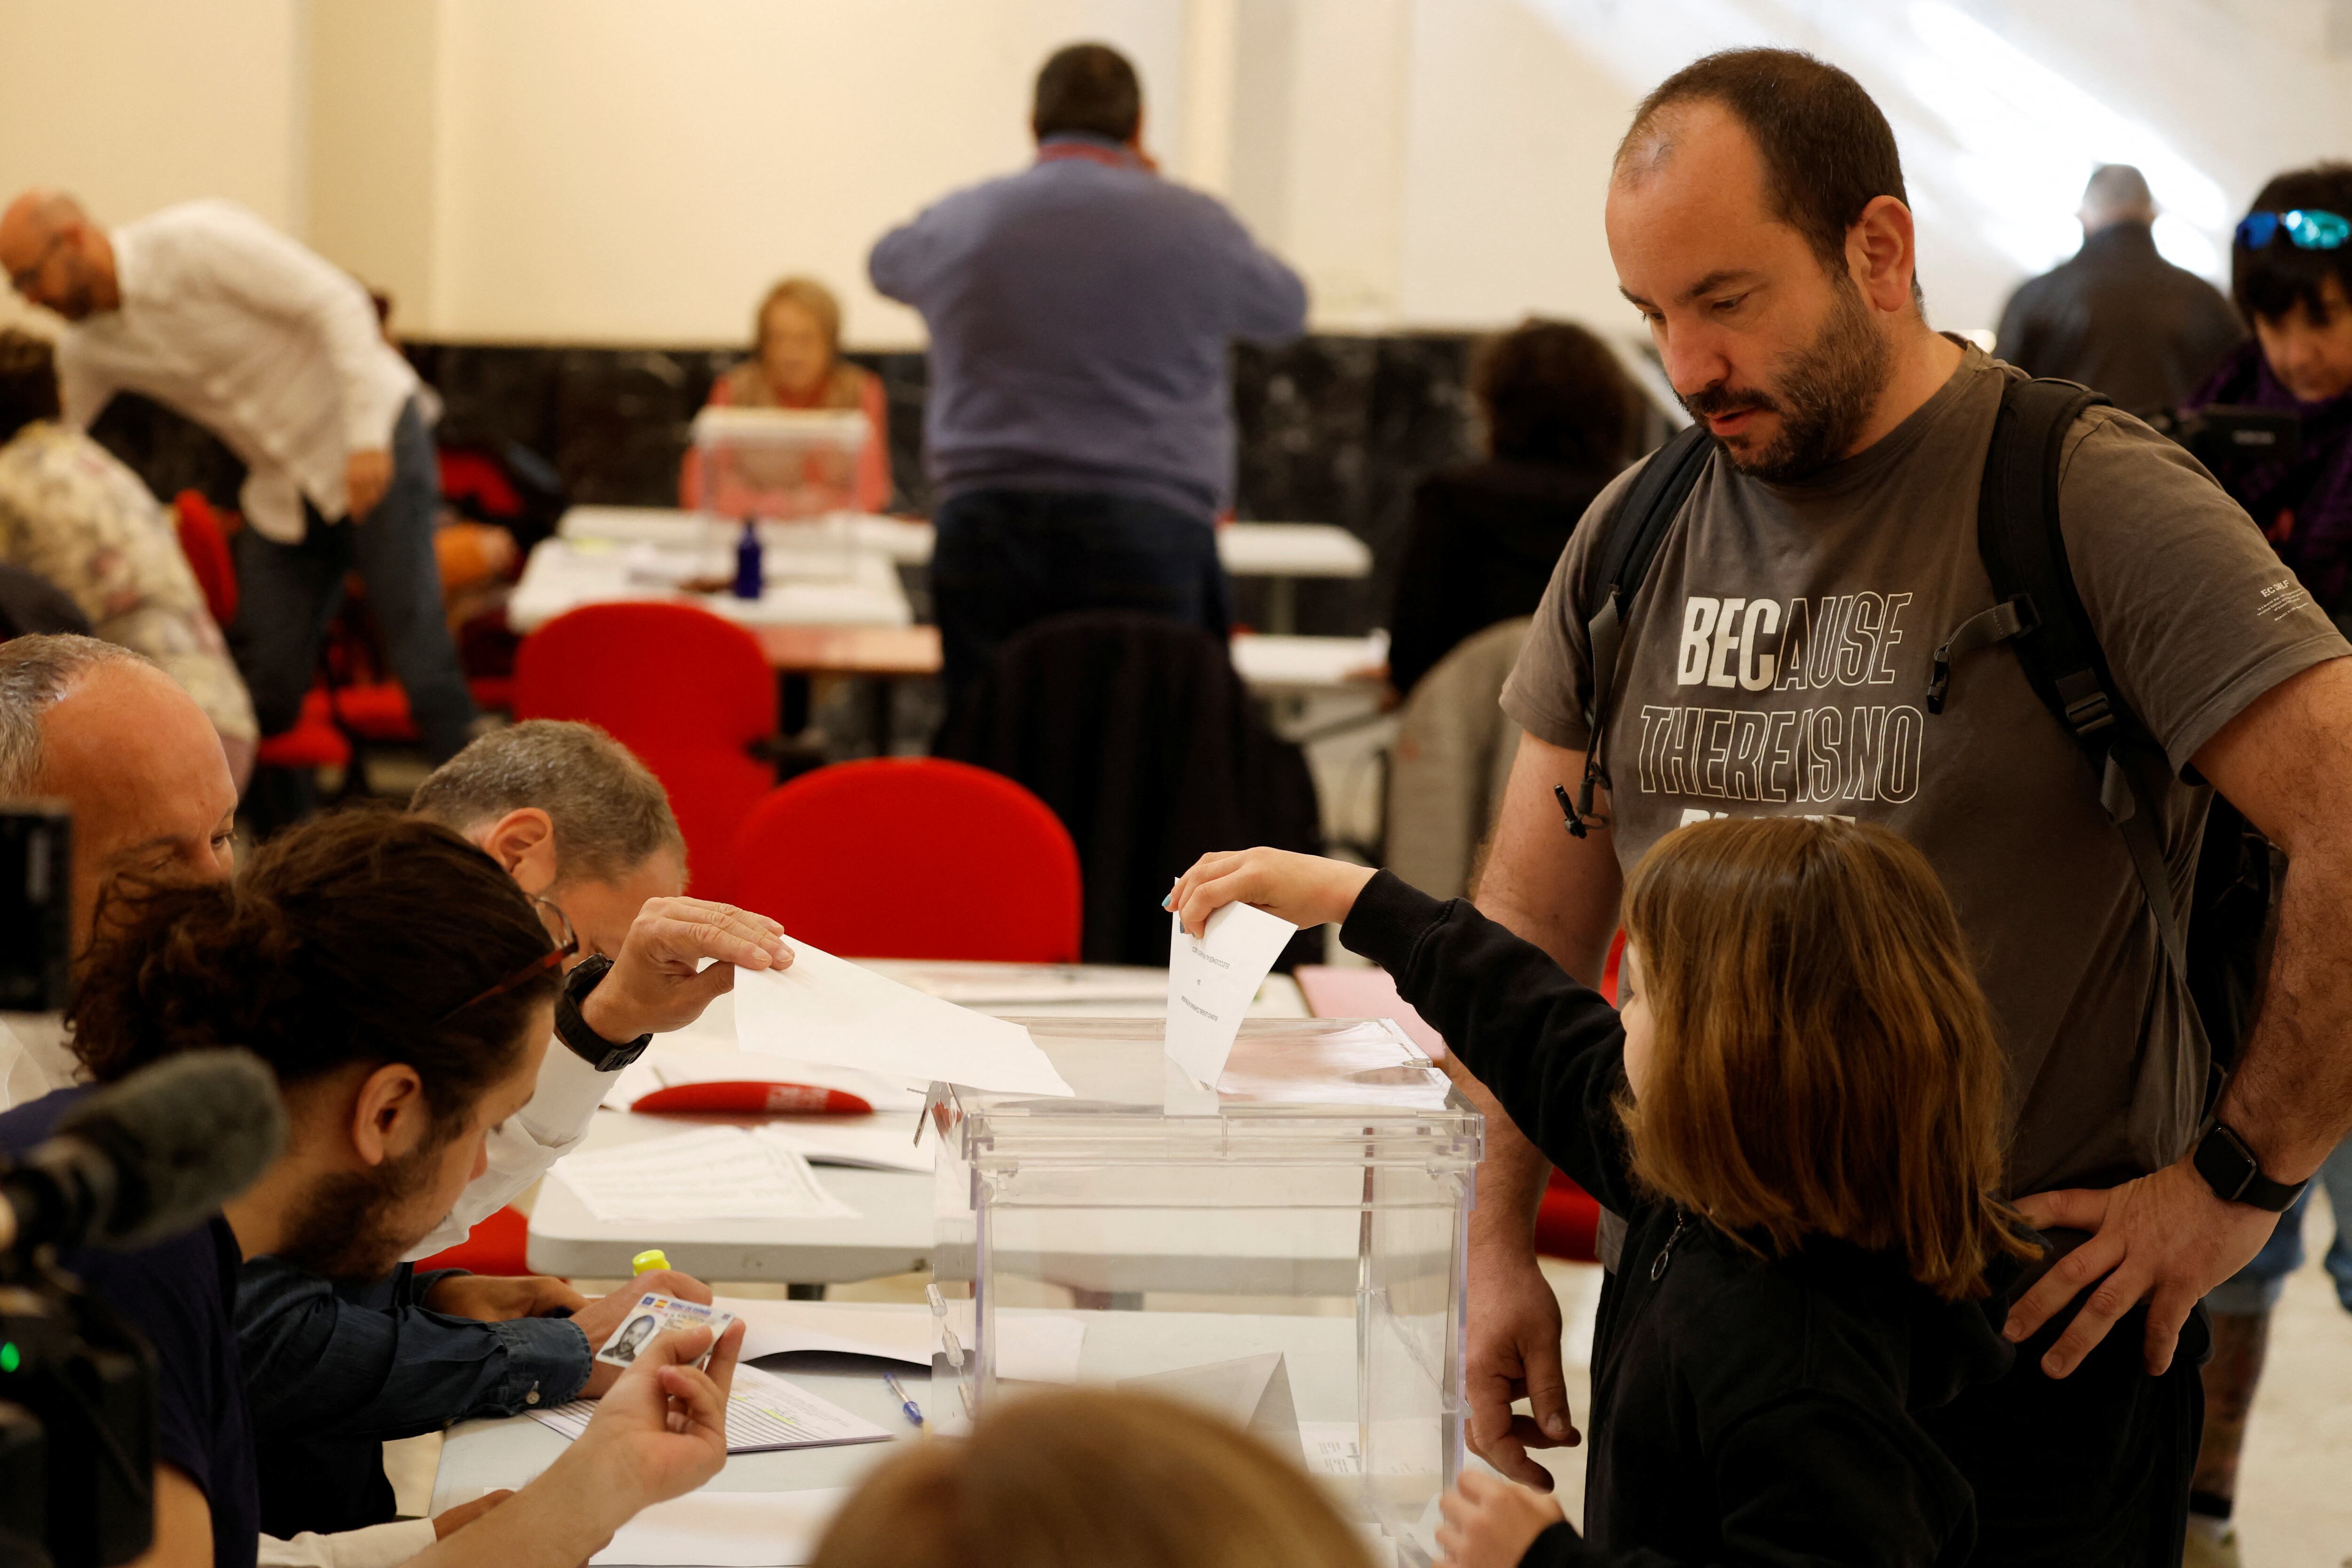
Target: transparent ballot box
{"x":1288,"y":1249}
{"x":777,"y":463}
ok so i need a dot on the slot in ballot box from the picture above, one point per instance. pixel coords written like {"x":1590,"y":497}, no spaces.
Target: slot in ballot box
{"x":1329,"y":1176}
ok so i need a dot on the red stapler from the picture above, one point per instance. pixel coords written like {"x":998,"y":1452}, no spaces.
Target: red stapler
{"x":736,"y":1097}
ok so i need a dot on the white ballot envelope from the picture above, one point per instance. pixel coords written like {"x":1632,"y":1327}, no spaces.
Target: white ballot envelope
{"x":1212,"y":979}
{"x":827,"y":1009}
{"x":1253,"y":1392}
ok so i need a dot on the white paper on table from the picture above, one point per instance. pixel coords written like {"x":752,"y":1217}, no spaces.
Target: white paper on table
{"x":763,"y":1067}
{"x":713,"y":1172}
{"x":1032,"y":1347}
{"x":765,"y":1413}
{"x":1212,"y":979}
{"x":1251,"y":1391}
{"x":867,"y":1142}
{"x":827,"y":1009}
{"x":1036,"y":987}
{"x":725,"y":1529}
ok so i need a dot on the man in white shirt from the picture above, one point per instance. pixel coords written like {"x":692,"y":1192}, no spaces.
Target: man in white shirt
{"x":209,"y":310}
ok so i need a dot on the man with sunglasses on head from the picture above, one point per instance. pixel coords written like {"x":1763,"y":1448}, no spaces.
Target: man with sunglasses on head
{"x":333,"y":1370}
{"x":2291,"y":274}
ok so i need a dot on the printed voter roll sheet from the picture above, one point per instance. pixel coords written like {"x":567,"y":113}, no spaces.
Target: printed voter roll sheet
{"x":765,"y":1413}
{"x":827,"y":1009}
{"x":1212,"y":979}
{"x":712,"y":1173}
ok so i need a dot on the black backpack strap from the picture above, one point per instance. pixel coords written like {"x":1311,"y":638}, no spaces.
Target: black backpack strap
{"x":2042,"y":615}
{"x":1634,"y":532}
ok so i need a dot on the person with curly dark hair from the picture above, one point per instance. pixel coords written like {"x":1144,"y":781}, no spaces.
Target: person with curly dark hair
{"x":403,"y":989}
{"x":1561,"y":418}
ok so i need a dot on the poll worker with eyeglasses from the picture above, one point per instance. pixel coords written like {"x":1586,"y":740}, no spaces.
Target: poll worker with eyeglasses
{"x":2291,"y":274}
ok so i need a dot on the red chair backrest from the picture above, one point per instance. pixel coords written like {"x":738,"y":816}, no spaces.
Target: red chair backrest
{"x":205,"y":544}
{"x":683,"y":688}
{"x":913,"y":857}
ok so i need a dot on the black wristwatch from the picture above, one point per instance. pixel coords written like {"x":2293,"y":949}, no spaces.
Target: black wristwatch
{"x":572,"y":1029}
{"x":2230,"y":1169}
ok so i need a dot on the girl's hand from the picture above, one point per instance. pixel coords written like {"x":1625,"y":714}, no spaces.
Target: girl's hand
{"x":1305,"y":889}
{"x":1490,"y":1524}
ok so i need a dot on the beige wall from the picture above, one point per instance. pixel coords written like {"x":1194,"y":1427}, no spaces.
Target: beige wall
{"x":135,"y":103}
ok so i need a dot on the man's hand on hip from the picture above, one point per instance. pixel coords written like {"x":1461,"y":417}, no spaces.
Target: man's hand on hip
{"x":658,"y":983}
{"x":1514,"y":1352}
{"x":366,"y":476}
{"x":2165,"y":1239}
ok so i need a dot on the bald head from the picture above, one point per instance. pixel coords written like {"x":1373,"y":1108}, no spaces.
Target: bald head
{"x":56,"y":257}
{"x":2117,"y":192}
{"x":128,"y":752}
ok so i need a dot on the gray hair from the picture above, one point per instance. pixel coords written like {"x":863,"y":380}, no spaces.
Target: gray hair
{"x":610,"y":813}
{"x":2117,"y":192}
{"x":36,"y":672}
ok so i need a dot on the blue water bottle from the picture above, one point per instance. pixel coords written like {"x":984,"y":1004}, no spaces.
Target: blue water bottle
{"x":749,"y":576}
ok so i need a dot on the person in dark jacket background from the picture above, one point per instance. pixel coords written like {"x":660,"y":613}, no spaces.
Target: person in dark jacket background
{"x":1080,"y":426}
{"x":1562,"y":419}
{"x":2116,"y":316}
{"x":1800,"y":1113}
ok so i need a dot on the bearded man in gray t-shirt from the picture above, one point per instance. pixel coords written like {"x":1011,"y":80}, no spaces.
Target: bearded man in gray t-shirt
{"x":1777,"y":659}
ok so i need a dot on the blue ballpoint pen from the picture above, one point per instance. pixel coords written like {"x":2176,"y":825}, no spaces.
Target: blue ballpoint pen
{"x":914,"y":1411}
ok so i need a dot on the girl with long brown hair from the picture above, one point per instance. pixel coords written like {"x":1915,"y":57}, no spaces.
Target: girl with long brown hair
{"x":1799,"y":1113}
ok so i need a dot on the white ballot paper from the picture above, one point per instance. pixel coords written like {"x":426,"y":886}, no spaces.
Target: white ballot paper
{"x":1253,"y":1390}
{"x":1212,"y":980}
{"x":764,"y":1413}
{"x":867,"y":1142}
{"x":1032,"y":1347}
{"x":716,"y":1172}
{"x":827,"y":1009}
{"x":725,"y":1529}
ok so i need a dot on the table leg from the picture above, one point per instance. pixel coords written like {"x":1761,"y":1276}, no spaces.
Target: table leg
{"x":882,"y":711}
{"x":1281,"y":605}
{"x":804,"y":1292}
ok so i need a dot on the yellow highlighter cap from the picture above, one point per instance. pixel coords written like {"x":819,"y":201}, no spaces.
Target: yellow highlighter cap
{"x":653,"y":1258}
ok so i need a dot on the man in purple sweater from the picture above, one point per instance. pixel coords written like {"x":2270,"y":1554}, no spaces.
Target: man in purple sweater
{"x":1080,"y":427}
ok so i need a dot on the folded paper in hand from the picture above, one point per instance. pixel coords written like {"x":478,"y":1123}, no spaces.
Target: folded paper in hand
{"x":827,"y":1009}
{"x":1212,"y":979}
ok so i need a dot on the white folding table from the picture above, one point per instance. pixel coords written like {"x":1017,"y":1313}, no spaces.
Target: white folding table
{"x":1280,"y":551}
{"x":891,"y":1232}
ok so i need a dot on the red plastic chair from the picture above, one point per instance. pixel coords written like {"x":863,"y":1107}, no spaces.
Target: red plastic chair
{"x":688,"y":692}
{"x":496,"y":1246}
{"x":913,"y":857}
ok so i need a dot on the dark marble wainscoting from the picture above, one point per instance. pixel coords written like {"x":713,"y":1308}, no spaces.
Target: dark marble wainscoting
{"x":1332,"y":429}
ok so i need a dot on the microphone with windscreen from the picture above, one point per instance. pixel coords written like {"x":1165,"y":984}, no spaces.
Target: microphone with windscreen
{"x":147,"y":1158}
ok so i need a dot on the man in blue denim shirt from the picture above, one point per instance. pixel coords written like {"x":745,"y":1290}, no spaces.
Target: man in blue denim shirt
{"x":334,"y":1369}
{"x":1080,"y":424}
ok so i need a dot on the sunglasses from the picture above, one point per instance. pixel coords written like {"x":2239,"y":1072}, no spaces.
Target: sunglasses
{"x":566,"y":946}
{"x":2305,"y":230}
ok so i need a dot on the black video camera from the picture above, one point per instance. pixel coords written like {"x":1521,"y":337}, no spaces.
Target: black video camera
{"x":2226,"y":436}
{"x":77,"y":1384}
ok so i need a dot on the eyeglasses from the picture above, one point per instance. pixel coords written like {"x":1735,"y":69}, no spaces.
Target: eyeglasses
{"x":2305,"y":230}
{"x":566,"y":946}
{"x":24,"y":277}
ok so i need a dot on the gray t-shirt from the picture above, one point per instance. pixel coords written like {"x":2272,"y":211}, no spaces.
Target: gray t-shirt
{"x":1777,"y":661}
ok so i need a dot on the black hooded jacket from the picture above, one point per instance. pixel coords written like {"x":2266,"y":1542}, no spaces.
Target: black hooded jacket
{"x":1743,"y":1411}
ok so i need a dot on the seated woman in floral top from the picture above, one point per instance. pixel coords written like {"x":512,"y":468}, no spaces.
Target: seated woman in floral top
{"x":72,"y":513}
